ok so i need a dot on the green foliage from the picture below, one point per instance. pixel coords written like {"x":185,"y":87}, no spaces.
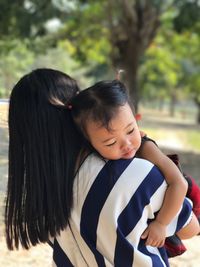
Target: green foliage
{"x":83,"y":44}
{"x":189,"y":58}
{"x":14,"y":63}
{"x":88,"y":34}
{"x":172,"y":62}
{"x":161,"y":72}
{"x":26,"y":18}
{"x":189,"y":14}
{"x":19,"y":60}
{"x":59,"y":58}
{"x":3,"y":92}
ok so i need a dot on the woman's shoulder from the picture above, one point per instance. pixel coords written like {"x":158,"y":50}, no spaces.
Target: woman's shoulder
{"x":94,"y":166}
{"x":89,"y":169}
{"x":92,"y":161}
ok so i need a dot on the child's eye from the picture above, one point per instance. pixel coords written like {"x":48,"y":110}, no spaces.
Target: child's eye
{"x":111,"y":144}
{"x":130,"y":132}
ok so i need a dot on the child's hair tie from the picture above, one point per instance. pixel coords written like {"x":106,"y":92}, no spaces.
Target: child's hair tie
{"x":69,"y":107}
{"x":138,"y":117}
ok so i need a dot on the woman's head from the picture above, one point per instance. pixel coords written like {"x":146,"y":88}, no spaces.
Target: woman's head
{"x":43,"y":148}
{"x":42,"y":87}
{"x":104,"y":115}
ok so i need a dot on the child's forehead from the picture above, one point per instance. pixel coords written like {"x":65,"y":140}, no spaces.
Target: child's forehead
{"x":121,"y":117}
{"x":97,"y":125}
{"x":111,"y":128}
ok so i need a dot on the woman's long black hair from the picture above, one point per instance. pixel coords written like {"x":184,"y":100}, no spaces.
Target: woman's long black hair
{"x":43,"y":149}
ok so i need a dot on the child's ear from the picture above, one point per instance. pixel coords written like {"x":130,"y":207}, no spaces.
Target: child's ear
{"x":143,"y":134}
{"x":138,"y":117}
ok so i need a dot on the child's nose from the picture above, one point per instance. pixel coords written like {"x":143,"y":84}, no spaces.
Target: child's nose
{"x":126,"y":144}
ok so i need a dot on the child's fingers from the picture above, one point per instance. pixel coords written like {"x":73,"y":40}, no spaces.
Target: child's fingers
{"x":145,"y":234}
{"x":154,"y":242}
{"x":152,"y":239}
{"x":161,"y":244}
{"x":150,"y":242}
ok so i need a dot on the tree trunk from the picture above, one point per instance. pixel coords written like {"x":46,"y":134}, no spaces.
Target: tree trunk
{"x":132,"y":28}
{"x":128,"y":60}
{"x":172,"y":104}
{"x":198,"y":114}
{"x":161,"y":104}
{"x":132,"y":84}
{"x":198,"y":110}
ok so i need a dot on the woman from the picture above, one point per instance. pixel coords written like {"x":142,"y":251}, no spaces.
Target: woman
{"x":91,"y":207}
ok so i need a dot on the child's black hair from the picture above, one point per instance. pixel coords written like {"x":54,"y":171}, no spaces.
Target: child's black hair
{"x":99,"y":103}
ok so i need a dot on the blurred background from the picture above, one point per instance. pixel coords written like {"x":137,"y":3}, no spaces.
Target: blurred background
{"x":155,"y":42}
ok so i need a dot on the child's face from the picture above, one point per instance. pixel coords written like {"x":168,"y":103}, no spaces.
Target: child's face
{"x":122,"y":141}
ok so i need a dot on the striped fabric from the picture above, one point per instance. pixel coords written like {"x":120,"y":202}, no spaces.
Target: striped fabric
{"x":113,"y":202}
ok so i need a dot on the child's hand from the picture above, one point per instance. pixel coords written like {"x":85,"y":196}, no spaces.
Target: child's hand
{"x":155,"y":234}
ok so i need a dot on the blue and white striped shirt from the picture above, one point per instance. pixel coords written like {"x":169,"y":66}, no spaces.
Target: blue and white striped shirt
{"x":113,"y":203}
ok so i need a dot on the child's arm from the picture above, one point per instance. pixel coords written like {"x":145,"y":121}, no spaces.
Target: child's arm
{"x":175,"y":193}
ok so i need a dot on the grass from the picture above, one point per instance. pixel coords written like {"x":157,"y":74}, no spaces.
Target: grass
{"x":189,"y":137}
{"x":193,"y":139}
{"x":159,"y":125}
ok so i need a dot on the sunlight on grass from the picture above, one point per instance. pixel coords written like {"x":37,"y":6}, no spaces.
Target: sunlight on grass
{"x":3,"y":114}
{"x":3,"y":161}
{"x":193,"y":139}
{"x":190,"y":138}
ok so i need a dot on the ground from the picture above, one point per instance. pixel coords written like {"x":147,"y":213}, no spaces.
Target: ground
{"x":40,"y":255}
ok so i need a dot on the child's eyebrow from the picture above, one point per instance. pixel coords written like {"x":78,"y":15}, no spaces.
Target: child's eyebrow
{"x":128,"y":125}
{"x":104,"y":141}
{"x":108,"y":139}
